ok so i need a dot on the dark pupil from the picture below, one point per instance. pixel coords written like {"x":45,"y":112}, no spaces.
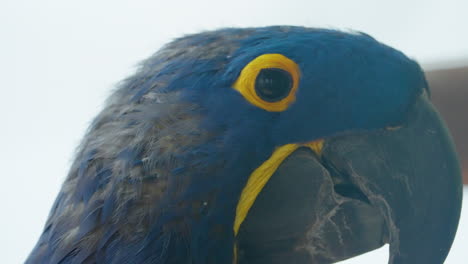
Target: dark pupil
{"x":273,"y":84}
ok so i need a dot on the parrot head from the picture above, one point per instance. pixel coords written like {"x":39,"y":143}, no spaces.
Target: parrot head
{"x":262,"y":145}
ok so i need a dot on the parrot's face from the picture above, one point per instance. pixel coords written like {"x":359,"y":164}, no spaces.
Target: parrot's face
{"x":350,"y":154}
{"x":263,"y":145}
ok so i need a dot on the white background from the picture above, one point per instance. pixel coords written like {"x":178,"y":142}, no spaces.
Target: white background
{"x":60,"y":59}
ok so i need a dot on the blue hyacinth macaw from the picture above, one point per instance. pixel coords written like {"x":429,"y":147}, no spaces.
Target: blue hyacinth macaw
{"x":261,"y":145}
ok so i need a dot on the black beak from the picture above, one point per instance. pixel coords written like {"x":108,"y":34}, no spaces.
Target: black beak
{"x":400,"y":186}
{"x":413,"y":177}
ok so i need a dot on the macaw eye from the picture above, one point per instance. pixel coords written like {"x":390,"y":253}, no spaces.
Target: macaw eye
{"x":269,"y":81}
{"x":273,"y":84}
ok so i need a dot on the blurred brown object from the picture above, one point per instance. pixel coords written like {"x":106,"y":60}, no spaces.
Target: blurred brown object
{"x":449,"y":89}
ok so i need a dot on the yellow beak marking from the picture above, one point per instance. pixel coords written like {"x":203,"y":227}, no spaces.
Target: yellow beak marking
{"x":262,"y":174}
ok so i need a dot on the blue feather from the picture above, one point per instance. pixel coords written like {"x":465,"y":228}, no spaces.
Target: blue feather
{"x":159,"y":173}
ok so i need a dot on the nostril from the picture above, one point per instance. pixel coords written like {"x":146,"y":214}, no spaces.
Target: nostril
{"x":351,"y":191}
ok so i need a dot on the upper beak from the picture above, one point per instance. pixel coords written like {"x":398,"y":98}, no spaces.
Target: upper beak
{"x":412,"y":176}
{"x":398,"y":186}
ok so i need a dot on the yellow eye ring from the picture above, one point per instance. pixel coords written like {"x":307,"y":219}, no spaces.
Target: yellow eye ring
{"x":248,"y":80}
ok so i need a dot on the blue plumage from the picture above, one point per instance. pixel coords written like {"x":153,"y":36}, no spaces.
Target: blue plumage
{"x":159,"y":173}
